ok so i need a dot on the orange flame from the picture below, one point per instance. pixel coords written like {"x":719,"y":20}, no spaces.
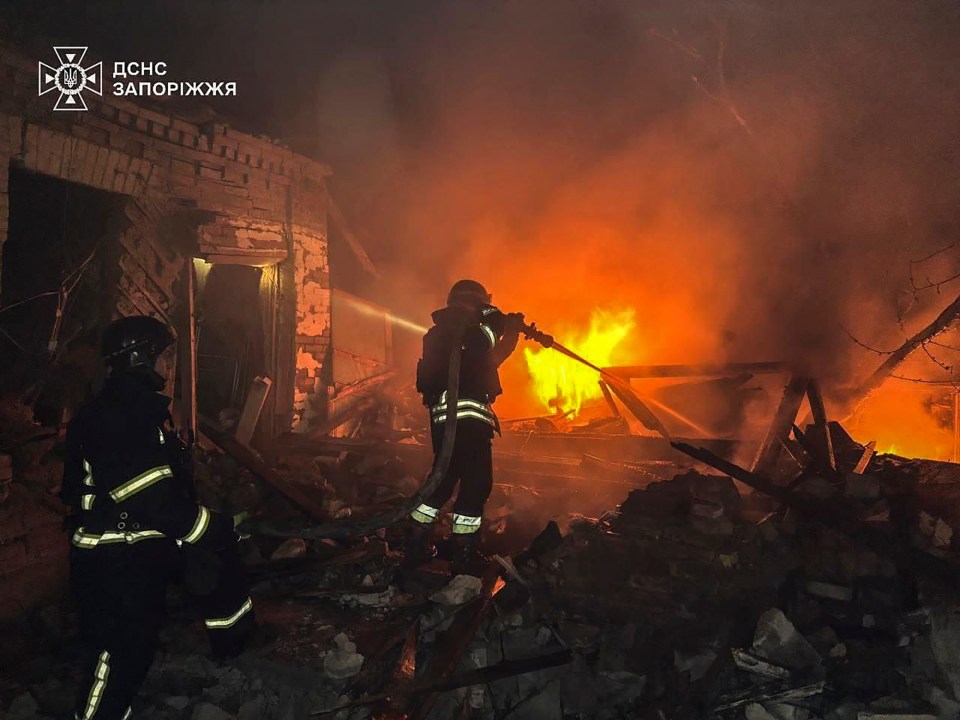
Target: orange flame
{"x":562,"y":384}
{"x":908,"y":420}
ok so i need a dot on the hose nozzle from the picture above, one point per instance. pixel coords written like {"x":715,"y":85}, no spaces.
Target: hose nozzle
{"x":530,"y":332}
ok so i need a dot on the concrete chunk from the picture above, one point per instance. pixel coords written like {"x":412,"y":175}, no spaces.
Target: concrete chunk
{"x":778,"y":641}
{"x":462,"y":589}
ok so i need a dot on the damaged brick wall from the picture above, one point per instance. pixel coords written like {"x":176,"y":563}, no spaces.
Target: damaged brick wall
{"x":312,"y":280}
{"x":149,"y":267}
{"x":258,"y":203}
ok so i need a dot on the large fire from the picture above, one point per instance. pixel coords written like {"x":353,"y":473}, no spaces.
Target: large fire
{"x":909,"y":420}
{"x":562,"y":384}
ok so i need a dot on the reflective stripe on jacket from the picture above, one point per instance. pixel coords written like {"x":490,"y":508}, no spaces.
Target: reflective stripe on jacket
{"x":466,"y":408}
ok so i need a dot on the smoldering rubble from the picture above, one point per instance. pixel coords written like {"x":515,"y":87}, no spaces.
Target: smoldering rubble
{"x":667,"y":589}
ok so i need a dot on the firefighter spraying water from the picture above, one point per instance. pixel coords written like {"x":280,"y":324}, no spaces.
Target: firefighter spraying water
{"x":490,"y":338}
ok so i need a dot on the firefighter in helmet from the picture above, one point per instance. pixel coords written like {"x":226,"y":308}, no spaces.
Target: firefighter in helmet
{"x":136,"y":525}
{"x":490,"y":338}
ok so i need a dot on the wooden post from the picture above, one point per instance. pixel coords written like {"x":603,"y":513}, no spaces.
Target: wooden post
{"x":770,"y":449}
{"x":188,"y":356}
{"x":821,"y":443}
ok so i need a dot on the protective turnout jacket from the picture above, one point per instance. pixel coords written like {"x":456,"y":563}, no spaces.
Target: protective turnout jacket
{"x":484,"y":349}
{"x":125,"y":476}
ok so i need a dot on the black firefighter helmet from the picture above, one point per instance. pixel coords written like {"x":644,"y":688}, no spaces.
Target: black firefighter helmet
{"x":134,"y":342}
{"x":469,"y":293}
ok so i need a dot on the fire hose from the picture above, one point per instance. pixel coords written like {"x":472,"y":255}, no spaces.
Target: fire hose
{"x":347,"y":529}
{"x":368,"y":526}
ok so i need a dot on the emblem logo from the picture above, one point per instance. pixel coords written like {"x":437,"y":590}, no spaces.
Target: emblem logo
{"x":70,"y":78}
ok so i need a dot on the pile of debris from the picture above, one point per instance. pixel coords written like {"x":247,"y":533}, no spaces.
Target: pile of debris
{"x":821,"y":583}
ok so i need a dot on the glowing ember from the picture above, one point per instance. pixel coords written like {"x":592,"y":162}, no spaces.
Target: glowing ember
{"x":562,"y":384}
{"x":908,"y":420}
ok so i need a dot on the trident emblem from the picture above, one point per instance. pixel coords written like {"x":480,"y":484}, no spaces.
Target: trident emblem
{"x":70,"y":78}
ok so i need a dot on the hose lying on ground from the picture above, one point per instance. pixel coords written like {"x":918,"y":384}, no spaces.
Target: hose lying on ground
{"x":368,"y":526}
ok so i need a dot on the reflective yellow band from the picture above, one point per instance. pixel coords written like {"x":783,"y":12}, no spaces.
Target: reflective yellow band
{"x":491,"y":335}
{"x":488,"y":310}
{"x":86,"y":501}
{"x":141,"y":482}
{"x":465,"y":524}
{"x":425,"y":514}
{"x":163,"y":440}
{"x":461,"y":414}
{"x":221,"y":623}
{"x":100,"y":675}
{"x":199,"y":527}
{"x":463,"y":405}
{"x":127,"y":714}
{"x":88,"y":480}
{"x":83,"y":539}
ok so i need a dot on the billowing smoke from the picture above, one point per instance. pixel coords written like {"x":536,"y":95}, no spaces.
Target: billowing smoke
{"x":750,"y":178}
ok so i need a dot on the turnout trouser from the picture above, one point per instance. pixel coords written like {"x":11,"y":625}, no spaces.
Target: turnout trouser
{"x":471,"y":466}
{"x":120,"y":590}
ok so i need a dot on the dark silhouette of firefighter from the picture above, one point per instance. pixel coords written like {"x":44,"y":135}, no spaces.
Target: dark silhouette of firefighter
{"x":136,"y":526}
{"x":490,"y":338}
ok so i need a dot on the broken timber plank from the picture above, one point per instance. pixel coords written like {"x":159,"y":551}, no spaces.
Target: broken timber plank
{"x":748,"y":662}
{"x":770,"y":449}
{"x":815,"y":398}
{"x":637,"y":407}
{"x":818,"y":438}
{"x":865,"y":458}
{"x":941,"y":323}
{"x":941,"y":569}
{"x":605,"y":389}
{"x":457,"y":638}
{"x":772,"y":693}
{"x":336,"y":216}
{"x":401,"y":679}
{"x":358,"y":393}
{"x":250,"y":460}
{"x":259,"y":389}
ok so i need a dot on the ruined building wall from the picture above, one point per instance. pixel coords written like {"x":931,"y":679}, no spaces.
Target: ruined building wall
{"x":250,"y":200}
{"x":191,"y":189}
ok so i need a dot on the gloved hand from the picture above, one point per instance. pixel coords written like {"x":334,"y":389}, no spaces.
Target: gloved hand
{"x":513,"y":323}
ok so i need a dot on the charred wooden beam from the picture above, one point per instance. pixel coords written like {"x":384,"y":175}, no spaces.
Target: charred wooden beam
{"x":769,"y":452}
{"x":638,"y":408}
{"x":938,"y":569}
{"x":605,"y":389}
{"x":868,"y":452}
{"x":947,"y":317}
{"x":337,"y":218}
{"x":456,"y":640}
{"x":250,"y":460}
{"x":352,"y":401}
{"x":637,"y":372}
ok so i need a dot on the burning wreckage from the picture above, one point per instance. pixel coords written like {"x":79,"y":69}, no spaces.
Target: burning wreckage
{"x":820,"y":582}
{"x":643,"y":559}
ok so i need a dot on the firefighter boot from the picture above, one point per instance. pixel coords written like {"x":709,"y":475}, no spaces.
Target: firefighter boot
{"x":466,"y":558}
{"x":418,"y":547}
